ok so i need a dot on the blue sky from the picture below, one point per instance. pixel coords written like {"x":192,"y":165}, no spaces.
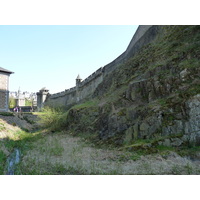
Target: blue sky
{"x":52,"y":56}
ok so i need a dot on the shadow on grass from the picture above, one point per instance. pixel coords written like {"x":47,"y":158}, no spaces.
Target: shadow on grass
{"x":25,"y":121}
{"x":21,"y":141}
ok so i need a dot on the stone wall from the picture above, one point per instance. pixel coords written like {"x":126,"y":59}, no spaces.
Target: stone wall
{"x":41,"y":97}
{"x":4,"y":94}
{"x":143,"y":36}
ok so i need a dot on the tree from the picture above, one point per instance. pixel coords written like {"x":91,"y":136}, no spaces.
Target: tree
{"x":12,"y":102}
{"x":28,"y":102}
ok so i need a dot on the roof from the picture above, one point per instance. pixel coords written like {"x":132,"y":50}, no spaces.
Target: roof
{"x":78,"y":77}
{"x":5,"y":70}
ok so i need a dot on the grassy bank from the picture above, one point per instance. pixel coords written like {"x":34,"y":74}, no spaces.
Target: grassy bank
{"x":63,"y":152}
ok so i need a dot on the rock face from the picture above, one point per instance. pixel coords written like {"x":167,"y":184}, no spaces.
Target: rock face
{"x":192,"y":126}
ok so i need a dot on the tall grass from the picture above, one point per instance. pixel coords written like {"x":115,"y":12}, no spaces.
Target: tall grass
{"x":53,"y":119}
{"x":57,"y":119}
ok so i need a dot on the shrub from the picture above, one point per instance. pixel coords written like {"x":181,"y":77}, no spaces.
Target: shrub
{"x":52,"y":118}
{"x":6,"y":114}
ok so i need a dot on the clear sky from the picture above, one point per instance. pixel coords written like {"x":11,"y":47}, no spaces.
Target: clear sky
{"x":52,"y":56}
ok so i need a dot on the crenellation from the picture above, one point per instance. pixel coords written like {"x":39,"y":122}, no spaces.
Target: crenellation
{"x":99,"y":71}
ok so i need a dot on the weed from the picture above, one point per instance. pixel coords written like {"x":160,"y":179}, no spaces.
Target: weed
{"x":28,"y":120}
{"x":162,"y":102}
{"x":59,"y":169}
{"x":176,"y":170}
{"x":188,"y":168}
{"x":189,"y":63}
{"x":162,"y":148}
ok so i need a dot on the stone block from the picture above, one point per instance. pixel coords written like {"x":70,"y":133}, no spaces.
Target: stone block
{"x":128,"y":135}
{"x":144,"y":126}
{"x":176,"y":142}
{"x":167,"y":143}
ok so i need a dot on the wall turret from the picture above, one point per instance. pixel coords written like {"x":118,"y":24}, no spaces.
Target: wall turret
{"x":41,"y":97}
{"x":78,"y":81}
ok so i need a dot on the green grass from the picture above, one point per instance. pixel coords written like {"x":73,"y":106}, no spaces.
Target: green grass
{"x":163,"y":148}
{"x":51,"y":118}
{"x":2,"y":162}
{"x":85,"y":105}
{"x":189,"y":63}
{"x":190,"y":151}
{"x":28,"y":120}
{"x":2,"y":127}
{"x":60,"y":119}
{"x":21,"y":140}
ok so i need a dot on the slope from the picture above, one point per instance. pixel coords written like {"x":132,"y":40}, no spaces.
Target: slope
{"x":152,"y":97}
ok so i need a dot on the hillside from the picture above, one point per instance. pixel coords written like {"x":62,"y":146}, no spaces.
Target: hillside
{"x":153,"y":96}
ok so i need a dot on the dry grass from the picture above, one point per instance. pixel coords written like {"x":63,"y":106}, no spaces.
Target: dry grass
{"x":64,"y":154}
{"x":7,"y":130}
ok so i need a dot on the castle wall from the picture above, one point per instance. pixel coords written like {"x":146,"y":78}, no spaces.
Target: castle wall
{"x":143,"y":36}
{"x":89,"y":85}
{"x":64,"y":98}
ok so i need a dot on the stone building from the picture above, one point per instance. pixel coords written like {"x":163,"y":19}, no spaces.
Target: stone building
{"x":4,"y":89}
{"x":41,"y":97}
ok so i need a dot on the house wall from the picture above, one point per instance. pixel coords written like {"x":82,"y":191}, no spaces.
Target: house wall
{"x":4,"y":93}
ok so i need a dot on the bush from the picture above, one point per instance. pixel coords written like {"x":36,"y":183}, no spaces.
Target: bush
{"x":52,"y":118}
{"x":6,"y":114}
